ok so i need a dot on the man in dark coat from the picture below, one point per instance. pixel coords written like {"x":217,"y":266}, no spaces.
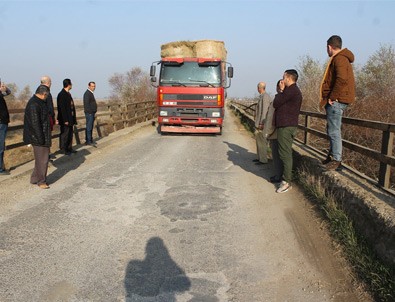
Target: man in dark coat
{"x":4,"y":120}
{"x":37,"y":132}
{"x":66,"y":118}
{"x":90,"y":108}
{"x":46,"y":80}
{"x":287,"y":105}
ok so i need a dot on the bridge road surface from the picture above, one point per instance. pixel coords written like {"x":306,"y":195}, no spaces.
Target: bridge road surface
{"x":146,"y":217}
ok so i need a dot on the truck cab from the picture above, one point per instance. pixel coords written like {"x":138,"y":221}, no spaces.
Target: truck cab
{"x":191,"y":94}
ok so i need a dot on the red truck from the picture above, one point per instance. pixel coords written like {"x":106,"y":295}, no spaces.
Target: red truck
{"x":191,"y":93}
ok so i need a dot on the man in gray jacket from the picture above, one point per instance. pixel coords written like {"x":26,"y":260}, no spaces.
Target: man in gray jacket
{"x":90,"y":108}
{"x":260,"y":117}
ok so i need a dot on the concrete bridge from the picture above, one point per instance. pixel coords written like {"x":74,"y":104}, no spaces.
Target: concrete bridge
{"x":145,"y":217}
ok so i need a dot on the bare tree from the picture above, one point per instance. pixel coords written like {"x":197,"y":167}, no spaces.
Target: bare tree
{"x":132,"y":87}
{"x":375,"y":87}
{"x":310,"y":76}
{"x":25,"y":94}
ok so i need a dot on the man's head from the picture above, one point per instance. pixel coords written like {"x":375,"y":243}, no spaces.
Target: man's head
{"x":261,"y":87}
{"x":42,"y":92}
{"x":290,"y":77}
{"x":46,"y":80}
{"x":333,"y":45}
{"x":67,"y":84}
{"x":92,"y":86}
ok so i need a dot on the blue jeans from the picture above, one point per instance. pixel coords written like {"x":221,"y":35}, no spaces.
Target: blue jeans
{"x":3,"y":133}
{"x":334,"y":116}
{"x":90,"y":118}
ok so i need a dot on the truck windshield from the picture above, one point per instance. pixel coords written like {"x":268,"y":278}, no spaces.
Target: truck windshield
{"x":190,"y":74}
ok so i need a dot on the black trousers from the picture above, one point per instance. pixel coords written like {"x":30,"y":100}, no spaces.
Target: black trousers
{"x":66,"y":138}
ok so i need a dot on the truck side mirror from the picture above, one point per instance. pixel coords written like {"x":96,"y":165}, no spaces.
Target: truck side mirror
{"x":153,"y":79}
{"x":152,"y":71}
{"x":230,"y":72}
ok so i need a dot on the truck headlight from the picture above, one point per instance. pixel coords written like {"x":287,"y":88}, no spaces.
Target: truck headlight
{"x":213,"y":121}
{"x":163,"y":113}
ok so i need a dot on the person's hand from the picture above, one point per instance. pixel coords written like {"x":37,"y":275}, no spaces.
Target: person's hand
{"x":3,"y":87}
{"x":66,"y":123}
{"x":330,"y":102}
{"x":281,"y":85}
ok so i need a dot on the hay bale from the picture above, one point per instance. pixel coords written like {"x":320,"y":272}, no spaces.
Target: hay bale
{"x":193,"y":49}
{"x":179,"y":49}
{"x":210,"y":49}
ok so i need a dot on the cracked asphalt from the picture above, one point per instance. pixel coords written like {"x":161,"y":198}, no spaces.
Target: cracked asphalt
{"x":145,"y":217}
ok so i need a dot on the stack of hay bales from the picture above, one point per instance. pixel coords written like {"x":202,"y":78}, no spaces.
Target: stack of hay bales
{"x":194,"y":49}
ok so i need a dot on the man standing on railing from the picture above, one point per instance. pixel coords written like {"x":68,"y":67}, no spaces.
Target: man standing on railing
{"x":66,"y":118}
{"x":37,"y":132}
{"x":90,"y":108}
{"x":4,"y":120}
{"x":337,"y":92}
{"x":262,"y":107}
{"x":287,"y":105}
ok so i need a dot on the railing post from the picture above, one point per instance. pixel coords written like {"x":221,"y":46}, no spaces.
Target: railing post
{"x":386,"y":149}
{"x":307,"y":122}
{"x":76,"y":135}
{"x":124,"y":115}
{"x":98,"y":130}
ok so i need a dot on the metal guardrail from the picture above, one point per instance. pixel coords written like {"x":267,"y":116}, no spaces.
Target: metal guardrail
{"x":384,"y":157}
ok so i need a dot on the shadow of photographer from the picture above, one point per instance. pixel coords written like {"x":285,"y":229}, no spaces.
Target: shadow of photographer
{"x":156,"y":276}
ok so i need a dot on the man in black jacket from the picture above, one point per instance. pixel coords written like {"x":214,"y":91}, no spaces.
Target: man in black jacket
{"x":37,"y":132}
{"x":287,"y":105}
{"x":66,"y":118}
{"x":90,"y":108}
{"x":4,"y":120}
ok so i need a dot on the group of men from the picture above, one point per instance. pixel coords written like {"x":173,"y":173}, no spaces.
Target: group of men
{"x":276,"y":120}
{"x":39,"y":119}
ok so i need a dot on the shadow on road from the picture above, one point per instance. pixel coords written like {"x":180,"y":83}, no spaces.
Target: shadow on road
{"x":243,"y":158}
{"x":156,"y":276}
{"x":65,"y":164}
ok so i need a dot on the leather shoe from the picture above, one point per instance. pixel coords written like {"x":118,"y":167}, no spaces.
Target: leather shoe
{"x":43,"y":186}
{"x":327,"y":160}
{"x":333,"y":165}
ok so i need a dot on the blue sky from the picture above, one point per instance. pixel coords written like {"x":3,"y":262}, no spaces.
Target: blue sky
{"x":91,"y":40}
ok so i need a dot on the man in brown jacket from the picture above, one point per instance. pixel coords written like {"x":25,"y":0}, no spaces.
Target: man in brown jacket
{"x":337,"y":92}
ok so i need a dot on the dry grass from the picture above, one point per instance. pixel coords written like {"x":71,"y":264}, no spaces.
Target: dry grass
{"x":379,"y":277}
